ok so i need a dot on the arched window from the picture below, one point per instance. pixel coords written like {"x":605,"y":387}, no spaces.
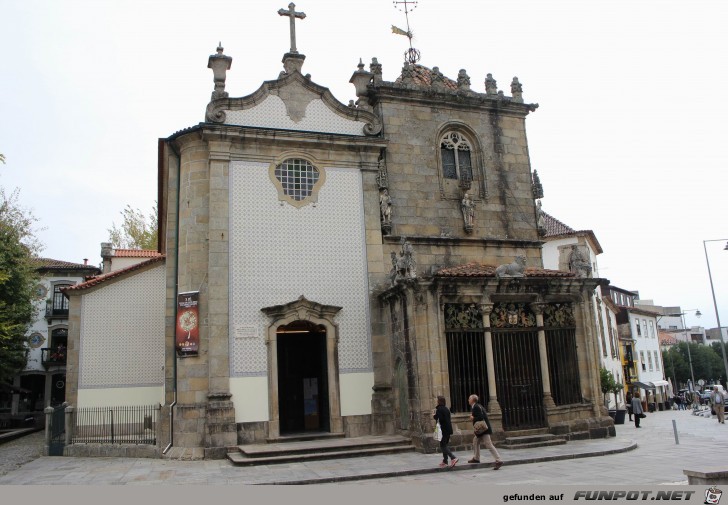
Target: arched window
{"x":456,"y":160}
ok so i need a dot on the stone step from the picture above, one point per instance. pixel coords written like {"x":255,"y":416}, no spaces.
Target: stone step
{"x":532,"y":445}
{"x":303,"y":437}
{"x":311,"y":448}
{"x":526,"y":433}
{"x":239,"y":459}
{"x":529,"y":439}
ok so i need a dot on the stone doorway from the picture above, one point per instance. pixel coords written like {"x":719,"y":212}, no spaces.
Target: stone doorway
{"x":302,"y":378}
{"x":307,"y":318}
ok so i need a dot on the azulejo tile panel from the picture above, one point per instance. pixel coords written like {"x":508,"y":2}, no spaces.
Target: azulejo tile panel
{"x":279,"y":252}
{"x":122,"y":332}
{"x":271,"y":113}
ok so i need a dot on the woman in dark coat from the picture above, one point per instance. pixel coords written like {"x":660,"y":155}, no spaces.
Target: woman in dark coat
{"x":442,"y":415}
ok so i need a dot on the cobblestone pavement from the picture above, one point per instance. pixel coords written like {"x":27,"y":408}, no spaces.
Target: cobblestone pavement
{"x":656,"y":460}
{"x":16,"y":453}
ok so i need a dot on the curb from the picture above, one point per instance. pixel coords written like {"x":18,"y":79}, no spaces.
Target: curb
{"x":469,"y":466}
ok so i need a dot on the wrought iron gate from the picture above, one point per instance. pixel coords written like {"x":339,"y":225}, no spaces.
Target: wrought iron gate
{"x":518,"y":378}
{"x":57,"y":440}
{"x":466,"y":361}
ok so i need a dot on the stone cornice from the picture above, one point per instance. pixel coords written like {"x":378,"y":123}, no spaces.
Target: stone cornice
{"x":449,"y":241}
{"x":456,"y":99}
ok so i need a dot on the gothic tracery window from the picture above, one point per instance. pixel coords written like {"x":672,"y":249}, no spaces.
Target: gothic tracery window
{"x":456,"y":160}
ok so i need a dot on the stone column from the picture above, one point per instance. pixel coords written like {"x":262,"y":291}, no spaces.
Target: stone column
{"x":69,"y":422}
{"x":48,"y":411}
{"x":47,"y":390}
{"x":16,"y":396}
{"x":548,"y":401}
{"x":493,"y":405}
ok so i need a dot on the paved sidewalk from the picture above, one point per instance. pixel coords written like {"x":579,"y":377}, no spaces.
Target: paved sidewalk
{"x":647,"y":455}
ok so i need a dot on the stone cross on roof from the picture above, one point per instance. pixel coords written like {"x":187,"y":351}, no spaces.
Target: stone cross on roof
{"x":292,"y":14}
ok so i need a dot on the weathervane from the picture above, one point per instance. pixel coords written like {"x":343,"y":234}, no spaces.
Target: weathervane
{"x":412,"y":55}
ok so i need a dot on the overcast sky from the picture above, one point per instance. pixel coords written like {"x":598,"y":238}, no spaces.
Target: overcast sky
{"x":629,"y":139}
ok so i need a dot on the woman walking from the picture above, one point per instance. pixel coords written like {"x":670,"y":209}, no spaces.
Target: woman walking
{"x":637,"y":410}
{"x":478,"y":415}
{"x":442,"y":415}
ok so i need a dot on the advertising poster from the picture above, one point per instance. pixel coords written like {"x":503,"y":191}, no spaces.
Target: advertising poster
{"x":188,"y":328}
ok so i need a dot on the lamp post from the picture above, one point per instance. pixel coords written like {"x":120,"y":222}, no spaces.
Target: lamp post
{"x":715,"y":305}
{"x":690,"y":358}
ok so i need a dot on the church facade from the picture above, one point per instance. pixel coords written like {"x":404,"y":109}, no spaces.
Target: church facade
{"x":332,"y":268}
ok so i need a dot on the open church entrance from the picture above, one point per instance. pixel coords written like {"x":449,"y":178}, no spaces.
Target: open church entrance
{"x":303,"y":392}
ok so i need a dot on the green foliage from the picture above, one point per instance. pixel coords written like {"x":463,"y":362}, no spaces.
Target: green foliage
{"x":18,"y":277}
{"x":707,"y":362}
{"x":137,"y":231}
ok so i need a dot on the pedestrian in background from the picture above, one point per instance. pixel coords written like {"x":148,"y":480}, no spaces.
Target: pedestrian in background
{"x":717,"y":401}
{"x":442,"y":415}
{"x":637,"y":410}
{"x":629,"y":405}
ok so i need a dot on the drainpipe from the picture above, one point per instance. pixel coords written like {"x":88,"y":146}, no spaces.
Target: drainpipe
{"x":176,"y":290}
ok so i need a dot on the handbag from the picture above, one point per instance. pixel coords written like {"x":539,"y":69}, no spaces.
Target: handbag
{"x":480,"y":427}
{"x":438,"y":432}
{"x":642,"y":415}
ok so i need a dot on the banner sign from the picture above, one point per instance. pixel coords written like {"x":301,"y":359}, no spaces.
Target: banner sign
{"x":188,"y":328}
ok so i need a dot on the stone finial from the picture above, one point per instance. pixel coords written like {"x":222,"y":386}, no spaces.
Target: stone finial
{"x":463,"y":80}
{"x":220,"y":64}
{"x":536,"y":186}
{"x":540,"y":220}
{"x":408,"y":74}
{"x":293,"y":62}
{"x":437,"y":80}
{"x":361,"y":79}
{"x":516,"y":91}
{"x":491,"y":88}
{"x":376,"y":68}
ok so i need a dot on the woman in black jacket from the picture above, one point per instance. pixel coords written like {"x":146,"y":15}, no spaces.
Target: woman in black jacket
{"x":442,"y":415}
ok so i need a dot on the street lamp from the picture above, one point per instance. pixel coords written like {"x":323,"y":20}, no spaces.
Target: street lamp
{"x":715,"y":305}
{"x":690,"y":358}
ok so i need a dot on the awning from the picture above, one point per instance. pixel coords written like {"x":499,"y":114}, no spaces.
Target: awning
{"x":660,"y":383}
{"x":643,"y":385}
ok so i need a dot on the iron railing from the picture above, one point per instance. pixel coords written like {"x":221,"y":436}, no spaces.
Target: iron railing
{"x":466,"y":367}
{"x":133,"y":424}
{"x":563,"y":368}
{"x":518,"y":378}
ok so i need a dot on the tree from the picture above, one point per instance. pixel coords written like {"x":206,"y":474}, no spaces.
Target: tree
{"x":137,"y":230}
{"x":608,"y":385}
{"x":18,"y":278}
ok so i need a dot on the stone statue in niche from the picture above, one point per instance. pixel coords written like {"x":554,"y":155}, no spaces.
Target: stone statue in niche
{"x":404,"y":266}
{"x":514,"y":269}
{"x":578,"y":262}
{"x":385,"y":210}
{"x":467,"y":206}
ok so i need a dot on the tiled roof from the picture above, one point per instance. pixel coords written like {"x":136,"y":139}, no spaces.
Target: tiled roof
{"x":50,"y":263}
{"x":555,"y":227}
{"x":95,"y":281}
{"x":479,"y":270}
{"x":135,"y":253}
{"x":423,"y":77}
{"x":666,"y":338}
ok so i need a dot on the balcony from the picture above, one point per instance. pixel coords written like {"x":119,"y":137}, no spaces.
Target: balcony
{"x":52,"y":312}
{"x":54,"y":357}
